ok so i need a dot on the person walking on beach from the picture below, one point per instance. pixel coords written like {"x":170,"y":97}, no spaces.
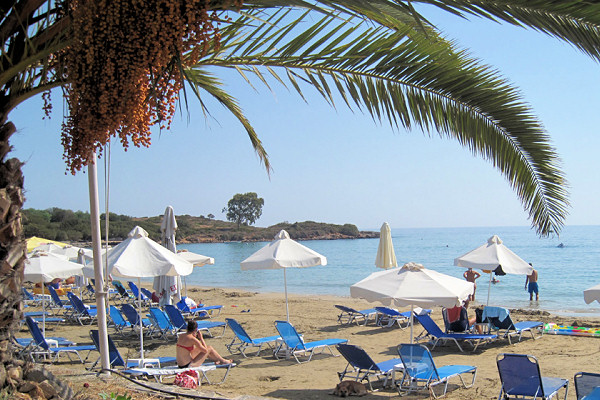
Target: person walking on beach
{"x":470,"y":276}
{"x":192,"y":350}
{"x":533,"y":285}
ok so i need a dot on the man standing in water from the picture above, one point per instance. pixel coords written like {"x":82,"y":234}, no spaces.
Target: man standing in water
{"x":533,"y":285}
{"x":470,"y":276}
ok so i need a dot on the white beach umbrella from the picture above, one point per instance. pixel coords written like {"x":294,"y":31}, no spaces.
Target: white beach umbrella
{"x":413,"y":285}
{"x":45,"y":267}
{"x":386,"y":258}
{"x":168,"y":286}
{"x":592,"y":294}
{"x":494,"y":256}
{"x":140,"y":257}
{"x":283,"y":253}
{"x":198,"y":260}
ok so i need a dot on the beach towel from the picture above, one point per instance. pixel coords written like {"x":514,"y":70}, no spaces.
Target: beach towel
{"x":453,"y":313}
{"x":494,"y":312}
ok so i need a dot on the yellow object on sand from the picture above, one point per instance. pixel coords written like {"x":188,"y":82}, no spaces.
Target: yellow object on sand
{"x":35,"y":241}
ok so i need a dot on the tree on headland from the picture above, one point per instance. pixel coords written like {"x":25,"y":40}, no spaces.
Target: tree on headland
{"x":244,"y":209}
{"x":122,"y":64}
{"x":210,"y":216}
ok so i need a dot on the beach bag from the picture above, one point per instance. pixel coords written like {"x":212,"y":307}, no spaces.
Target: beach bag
{"x":187,"y":379}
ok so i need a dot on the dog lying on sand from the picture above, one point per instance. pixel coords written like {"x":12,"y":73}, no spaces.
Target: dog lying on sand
{"x":349,"y":388}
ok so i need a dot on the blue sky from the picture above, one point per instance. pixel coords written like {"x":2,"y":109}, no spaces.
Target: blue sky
{"x":334,"y":165}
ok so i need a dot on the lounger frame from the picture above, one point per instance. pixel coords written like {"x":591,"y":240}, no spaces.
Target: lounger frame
{"x":292,"y":343}
{"x":423,"y":374}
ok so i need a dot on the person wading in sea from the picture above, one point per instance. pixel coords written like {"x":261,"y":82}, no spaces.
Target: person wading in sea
{"x":533,"y":285}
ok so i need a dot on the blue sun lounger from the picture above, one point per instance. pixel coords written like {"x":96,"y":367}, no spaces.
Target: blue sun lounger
{"x":115,"y":358}
{"x":493,"y":316}
{"x":420,"y":371}
{"x":520,"y":376}
{"x":388,"y":317}
{"x":437,"y":335}
{"x":242,"y":340}
{"x":296,"y":346}
{"x":200,"y":311}
{"x":361,"y":366}
{"x":45,"y":350}
{"x":349,"y":315}
{"x":178,"y":322}
{"x":587,"y":386}
{"x":117,"y":320}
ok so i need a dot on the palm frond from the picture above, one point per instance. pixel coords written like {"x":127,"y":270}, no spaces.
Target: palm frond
{"x":575,"y":22}
{"x":203,"y":80}
{"x":409,"y":79}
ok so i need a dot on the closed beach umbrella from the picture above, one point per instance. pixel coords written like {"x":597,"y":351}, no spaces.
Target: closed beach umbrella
{"x":168,"y":286}
{"x":413,"y":285}
{"x":494,"y":256}
{"x":45,"y":267}
{"x":283,"y":253}
{"x":592,"y":294}
{"x":140,"y":257}
{"x":386,"y":258}
{"x":81,"y":280}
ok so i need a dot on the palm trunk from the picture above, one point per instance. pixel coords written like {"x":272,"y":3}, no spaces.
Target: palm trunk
{"x":12,"y":252}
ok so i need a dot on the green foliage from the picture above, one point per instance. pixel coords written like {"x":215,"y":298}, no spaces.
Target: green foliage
{"x":244,"y":209}
{"x":115,"y":396}
{"x":190,"y":229}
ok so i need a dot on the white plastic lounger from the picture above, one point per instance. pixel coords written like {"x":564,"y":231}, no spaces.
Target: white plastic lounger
{"x":159,"y":373}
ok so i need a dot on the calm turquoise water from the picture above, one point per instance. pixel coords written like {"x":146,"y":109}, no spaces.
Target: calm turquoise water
{"x":563,"y":272}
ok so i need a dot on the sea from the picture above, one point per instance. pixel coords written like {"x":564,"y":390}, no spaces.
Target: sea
{"x":567,"y":265}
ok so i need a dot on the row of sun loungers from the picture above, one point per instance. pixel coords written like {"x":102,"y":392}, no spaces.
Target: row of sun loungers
{"x":412,"y":371}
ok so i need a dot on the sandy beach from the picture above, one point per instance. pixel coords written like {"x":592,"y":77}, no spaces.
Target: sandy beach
{"x":316,"y":318}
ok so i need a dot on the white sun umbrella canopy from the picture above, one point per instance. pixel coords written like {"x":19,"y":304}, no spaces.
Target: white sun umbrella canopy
{"x":413,"y":285}
{"x":283,"y":253}
{"x":168,"y":286}
{"x":591,"y":294}
{"x":494,"y":256}
{"x":138,"y":256}
{"x":198,"y":260}
{"x":386,"y":258}
{"x":45,"y":267}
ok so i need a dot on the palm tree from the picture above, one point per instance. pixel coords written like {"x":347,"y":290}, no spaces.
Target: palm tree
{"x":380,"y":56}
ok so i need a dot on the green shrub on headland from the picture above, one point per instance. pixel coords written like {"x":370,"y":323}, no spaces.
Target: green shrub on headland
{"x":74,"y":226}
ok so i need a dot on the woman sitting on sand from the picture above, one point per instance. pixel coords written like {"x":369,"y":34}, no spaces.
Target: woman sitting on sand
{"x":192,"y":350}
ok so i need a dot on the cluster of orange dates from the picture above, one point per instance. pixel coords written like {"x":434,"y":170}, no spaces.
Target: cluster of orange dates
{"x":123,"y":68}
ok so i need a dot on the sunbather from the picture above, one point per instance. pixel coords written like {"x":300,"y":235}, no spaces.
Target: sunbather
{"x":192,"y":349}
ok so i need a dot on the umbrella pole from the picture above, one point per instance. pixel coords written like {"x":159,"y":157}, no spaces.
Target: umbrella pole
{"x":44,"y":309}
{"x":140,"y":320}
{"x":489,"y":289}
{"x":412,"y":307}
{"x":287,"y":309}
